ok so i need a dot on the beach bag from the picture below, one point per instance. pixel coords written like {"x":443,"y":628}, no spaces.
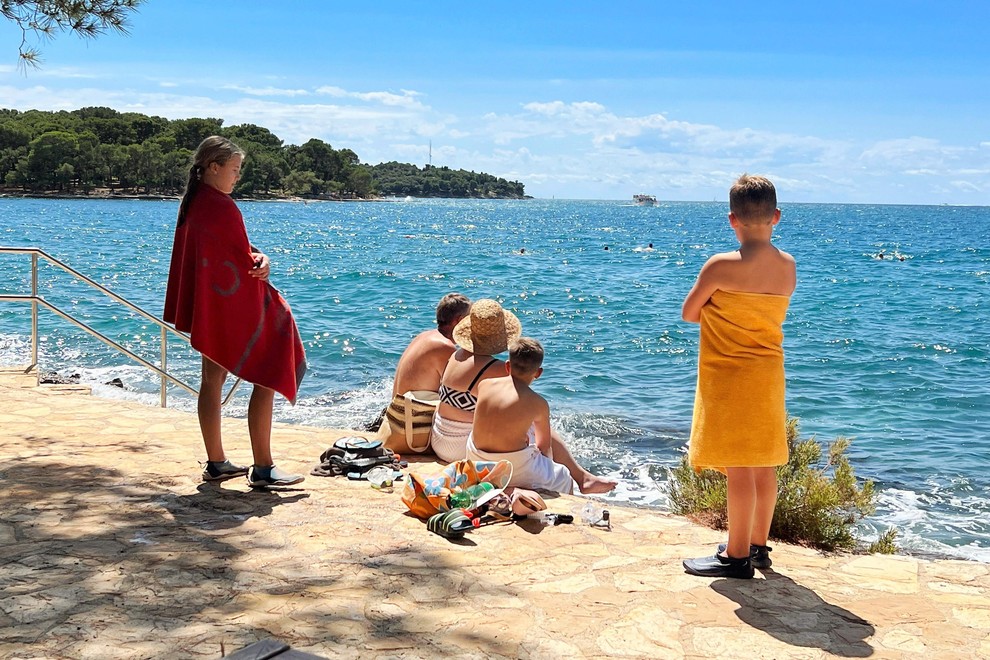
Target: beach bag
{"x":409,"y":420}
{"x":426,"y":495}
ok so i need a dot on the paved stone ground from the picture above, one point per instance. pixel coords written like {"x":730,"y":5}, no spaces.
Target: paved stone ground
{"x":112,"y":547}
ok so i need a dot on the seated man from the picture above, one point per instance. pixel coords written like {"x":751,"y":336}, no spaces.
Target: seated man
{"x":418,"y":376}
{"x":512,"y":423}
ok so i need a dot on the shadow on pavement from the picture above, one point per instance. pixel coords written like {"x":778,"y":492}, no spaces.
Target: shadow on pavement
{"x":798,"y":616}
{"x":99,"y":558}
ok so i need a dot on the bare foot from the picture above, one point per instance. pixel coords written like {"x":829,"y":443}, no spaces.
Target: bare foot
{"x":592,"y":485}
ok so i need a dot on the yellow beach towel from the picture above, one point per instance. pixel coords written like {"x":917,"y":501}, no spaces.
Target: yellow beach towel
{"x":739,"y":411}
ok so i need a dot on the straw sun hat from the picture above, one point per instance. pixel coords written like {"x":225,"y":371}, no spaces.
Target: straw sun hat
{"x":488,"y":329}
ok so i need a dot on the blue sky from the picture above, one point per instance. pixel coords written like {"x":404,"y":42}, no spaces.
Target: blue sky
{"x":868,"y":101}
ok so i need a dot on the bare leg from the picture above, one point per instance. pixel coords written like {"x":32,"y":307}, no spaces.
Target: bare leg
{"x":765,"y":481}
{"x":208,"y":408}
{"x":587,"y":483}
{"x":742,"y":510}
{"x":260,"y":424}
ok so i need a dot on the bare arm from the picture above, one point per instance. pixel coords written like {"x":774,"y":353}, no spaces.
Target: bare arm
{"x":542,"y":426}
{"x":706,"y":284}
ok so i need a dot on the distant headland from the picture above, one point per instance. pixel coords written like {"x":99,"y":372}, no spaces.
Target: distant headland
{"x":102,"y":153}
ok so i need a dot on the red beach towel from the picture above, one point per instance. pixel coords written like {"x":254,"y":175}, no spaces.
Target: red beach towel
{"x":240,"y":322}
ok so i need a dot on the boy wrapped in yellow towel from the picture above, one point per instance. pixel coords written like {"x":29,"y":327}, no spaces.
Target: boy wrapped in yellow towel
{"x":740,"y":299}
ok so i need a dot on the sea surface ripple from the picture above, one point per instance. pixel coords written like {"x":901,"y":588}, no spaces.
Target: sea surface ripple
{"x":890,"y":352}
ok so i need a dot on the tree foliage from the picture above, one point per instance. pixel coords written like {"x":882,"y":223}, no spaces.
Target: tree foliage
{"x":98,"y":148}
{"x":403,"y":179}
{"x":42,"y":19}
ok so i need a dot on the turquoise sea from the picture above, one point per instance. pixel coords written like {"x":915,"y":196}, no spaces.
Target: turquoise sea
{"x":891,"y":352}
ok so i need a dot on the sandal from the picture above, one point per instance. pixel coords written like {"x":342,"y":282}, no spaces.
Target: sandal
{"x":451,"y":524}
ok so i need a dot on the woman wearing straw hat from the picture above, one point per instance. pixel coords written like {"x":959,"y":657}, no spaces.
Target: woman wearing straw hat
{"x":485,"y":332}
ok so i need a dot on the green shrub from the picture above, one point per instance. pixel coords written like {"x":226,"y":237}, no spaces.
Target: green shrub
{"x":884,"y":545}
{"x":818,"y":501}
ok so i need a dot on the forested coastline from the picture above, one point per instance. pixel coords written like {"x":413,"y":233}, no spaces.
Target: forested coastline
{"x":98,"y":151}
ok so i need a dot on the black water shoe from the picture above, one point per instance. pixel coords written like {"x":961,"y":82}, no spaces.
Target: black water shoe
{"x":222,"y":470}
{"x":269,"y":475}
{"x":719,"y":566}
{"x":758,"y":554}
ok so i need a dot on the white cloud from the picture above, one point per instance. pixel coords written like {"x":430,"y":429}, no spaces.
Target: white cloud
{"x":67,"y":73}
{"x":650,"y":136}
{"x":958,"y":168}
{"x":907,"y":151}
{"x":267,"y":91}
{"x":406,"y":99}
{"x":567,"y":149}
{"x":968,"y":186}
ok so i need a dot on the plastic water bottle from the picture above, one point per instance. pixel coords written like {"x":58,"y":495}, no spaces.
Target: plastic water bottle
{"x":596,"y":516}
{"x":590,"y":513}
{"x":548,"y":518}
{"x":468,"y":498}
{"x":542,"y":516}
{"x":380,"y":477}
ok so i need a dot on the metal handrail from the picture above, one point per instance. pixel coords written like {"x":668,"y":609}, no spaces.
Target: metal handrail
{"x":35,"y":300}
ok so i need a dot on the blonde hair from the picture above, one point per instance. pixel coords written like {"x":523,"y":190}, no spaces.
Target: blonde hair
{"x":753,"y":199}
{"x":214,"y":149}
{"x":525,"y":355}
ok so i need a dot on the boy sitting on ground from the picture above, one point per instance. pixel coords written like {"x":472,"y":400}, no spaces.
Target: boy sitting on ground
{"x":512,"y":423}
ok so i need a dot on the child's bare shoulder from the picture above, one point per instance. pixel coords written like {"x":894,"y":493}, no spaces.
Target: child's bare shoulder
{"x":531,"y":398}
{"x":777,"y":258}
{"x":721,"y":257}
{"x":721,"y":263}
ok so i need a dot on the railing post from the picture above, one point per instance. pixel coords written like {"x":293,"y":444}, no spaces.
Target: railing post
{"x":164,"y":366}
{"x":34,"y":312}
{"x":37,"y":301}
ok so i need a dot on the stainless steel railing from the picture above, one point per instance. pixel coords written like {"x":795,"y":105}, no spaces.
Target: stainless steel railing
{"x":37,"y":300}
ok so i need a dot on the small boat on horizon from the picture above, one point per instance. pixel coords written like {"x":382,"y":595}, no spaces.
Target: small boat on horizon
{"x":645,"y":200}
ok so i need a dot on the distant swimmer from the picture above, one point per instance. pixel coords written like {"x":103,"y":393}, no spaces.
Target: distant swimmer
{"x":648,"y":248}
{"x":521,"y":251}
{"x":606,"y":248}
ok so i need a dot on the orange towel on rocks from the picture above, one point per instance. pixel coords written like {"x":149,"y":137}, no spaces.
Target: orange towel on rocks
{"x":739,"y":409}
{"x":238,"y":321}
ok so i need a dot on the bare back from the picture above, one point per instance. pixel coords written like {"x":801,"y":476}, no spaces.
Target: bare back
{"x":756,"y":267}
{"x":465,"y":372}
{"x":422,"y":363}
{"x":507,"y":409}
